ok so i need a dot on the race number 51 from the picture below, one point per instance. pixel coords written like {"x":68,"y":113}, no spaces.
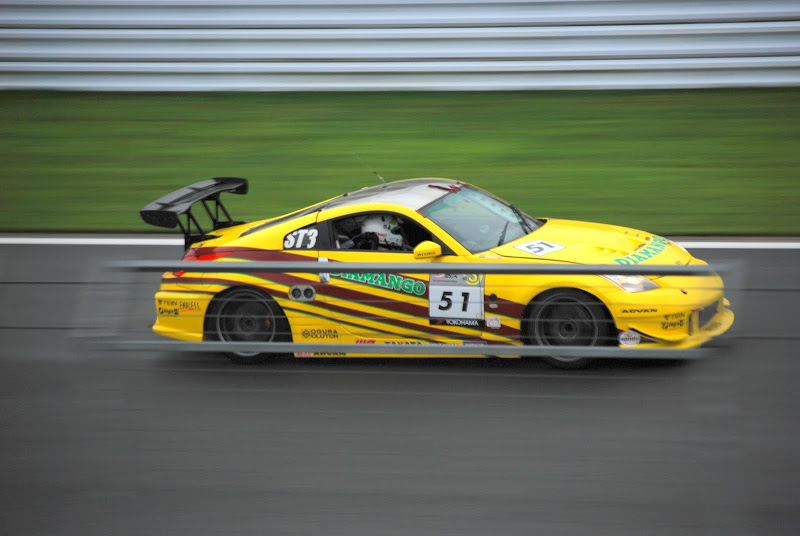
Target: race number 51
{"x":455,"y":302}
{"x":539,"y":248}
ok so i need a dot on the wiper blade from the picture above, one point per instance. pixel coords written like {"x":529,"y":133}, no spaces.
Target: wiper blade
{"x":503,"y":234}
{"x":524,"y":222}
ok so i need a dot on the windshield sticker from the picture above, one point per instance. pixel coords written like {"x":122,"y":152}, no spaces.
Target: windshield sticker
{"x":456,"y":296}
{"x":539,"y":248}
{"x":657,"y":245}
{"x":387,"y":281}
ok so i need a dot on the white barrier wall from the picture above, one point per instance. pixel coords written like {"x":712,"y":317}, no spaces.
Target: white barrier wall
{"x":199,"y":45}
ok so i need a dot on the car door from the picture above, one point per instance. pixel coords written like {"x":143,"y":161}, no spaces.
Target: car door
{"x":396,"y":307}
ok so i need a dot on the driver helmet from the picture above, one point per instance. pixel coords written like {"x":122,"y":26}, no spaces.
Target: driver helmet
{"x":386,"y":228}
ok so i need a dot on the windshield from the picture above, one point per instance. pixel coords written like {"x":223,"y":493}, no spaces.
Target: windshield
{"x":478,"y":220}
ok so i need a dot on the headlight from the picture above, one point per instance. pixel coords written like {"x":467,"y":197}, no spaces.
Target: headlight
{"x":632,"y":283}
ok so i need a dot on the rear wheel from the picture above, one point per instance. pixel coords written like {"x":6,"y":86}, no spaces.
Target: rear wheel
{"x":568,"y":317}
{"x":247,"y":315}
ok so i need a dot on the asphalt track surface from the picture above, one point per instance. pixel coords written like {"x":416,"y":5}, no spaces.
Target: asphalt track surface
{"x":95,"y":441}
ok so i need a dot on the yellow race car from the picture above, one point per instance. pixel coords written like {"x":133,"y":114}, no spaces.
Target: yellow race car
{"x":432,"y":221}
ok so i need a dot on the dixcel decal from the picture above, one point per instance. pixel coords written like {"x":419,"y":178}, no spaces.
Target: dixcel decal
{"x":539,"y":248}
{"x":456,"y":296}
{"x":656,"y":246}
{"x":388,"y":281}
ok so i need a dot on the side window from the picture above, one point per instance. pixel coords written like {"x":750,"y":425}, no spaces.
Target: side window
{"x":307,"y":237}
{"x":377,"y":231}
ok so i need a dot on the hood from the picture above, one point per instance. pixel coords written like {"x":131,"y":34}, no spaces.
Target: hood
{"x":593,"y":243}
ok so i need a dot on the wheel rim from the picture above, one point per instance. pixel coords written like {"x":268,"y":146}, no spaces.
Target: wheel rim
{"x":246,"y":316}
{"x":564,"y":320}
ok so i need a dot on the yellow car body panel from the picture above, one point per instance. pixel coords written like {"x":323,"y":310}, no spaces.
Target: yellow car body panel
{"x":391,"y":309}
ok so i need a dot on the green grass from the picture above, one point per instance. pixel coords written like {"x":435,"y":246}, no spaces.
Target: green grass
{"x":673,"y":162}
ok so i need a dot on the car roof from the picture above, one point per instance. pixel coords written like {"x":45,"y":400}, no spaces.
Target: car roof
{"x":410,"y":193}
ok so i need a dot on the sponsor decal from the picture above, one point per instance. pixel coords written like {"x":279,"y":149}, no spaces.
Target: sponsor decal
{"x":474,"y":343}
{"x":638,"y":311}
{"x":407,"y":343}
{"x":387,"y":281}
{"x":656,"y":246}
{"x":320,"y":334}
{"x":302,"y":354}
{"x":493,"y":322}
{"x":168,"y":311}
{"x":301,"y":239}
{"x":473,"y":279}
{"x":456,"y":296}
{"x":629,"y":338}
{"x":673,"y":321}
{"x":540,"y":248}
{"x":463,"y":322}
{"x":185,"y":306}
{"x":365,"y":341}
{"x":331,"y":354}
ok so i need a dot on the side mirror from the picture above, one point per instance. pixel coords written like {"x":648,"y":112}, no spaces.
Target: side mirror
{"x":427,"y":250}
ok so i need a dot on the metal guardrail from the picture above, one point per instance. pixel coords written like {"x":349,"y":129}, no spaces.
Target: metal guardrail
{"x":178,"y":45}
{"x":152,"y":266}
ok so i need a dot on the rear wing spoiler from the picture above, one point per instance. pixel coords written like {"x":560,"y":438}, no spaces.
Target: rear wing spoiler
{"x":166,"y":211}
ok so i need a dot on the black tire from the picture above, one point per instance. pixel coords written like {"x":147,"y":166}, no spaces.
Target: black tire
{"x":568,"y":317}
{"x":247,"y":315}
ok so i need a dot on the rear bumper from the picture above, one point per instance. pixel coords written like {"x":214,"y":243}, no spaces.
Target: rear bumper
{"x":180,"y":315}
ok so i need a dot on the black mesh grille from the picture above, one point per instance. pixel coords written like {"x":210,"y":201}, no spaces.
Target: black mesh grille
{"x":707,"y":313}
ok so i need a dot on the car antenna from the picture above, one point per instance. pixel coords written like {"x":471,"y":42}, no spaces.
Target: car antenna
{"x":370,"y":168}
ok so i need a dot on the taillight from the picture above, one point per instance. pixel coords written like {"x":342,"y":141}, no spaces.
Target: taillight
{"x":205,"y":257}
{"x":192,"y":256}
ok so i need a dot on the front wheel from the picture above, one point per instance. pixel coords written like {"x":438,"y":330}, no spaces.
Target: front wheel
{"x":568,"y":317}
{"x":247,"y":315}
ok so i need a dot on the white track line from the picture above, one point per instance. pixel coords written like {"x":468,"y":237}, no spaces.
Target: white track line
{"x":144,"y":241}
{"x":87,"y":241}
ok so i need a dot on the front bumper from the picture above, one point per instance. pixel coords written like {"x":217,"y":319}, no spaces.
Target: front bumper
{"x":699,"y":331}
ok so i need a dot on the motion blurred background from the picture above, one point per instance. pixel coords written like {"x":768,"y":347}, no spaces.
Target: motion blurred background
{"x":676,"y":117}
